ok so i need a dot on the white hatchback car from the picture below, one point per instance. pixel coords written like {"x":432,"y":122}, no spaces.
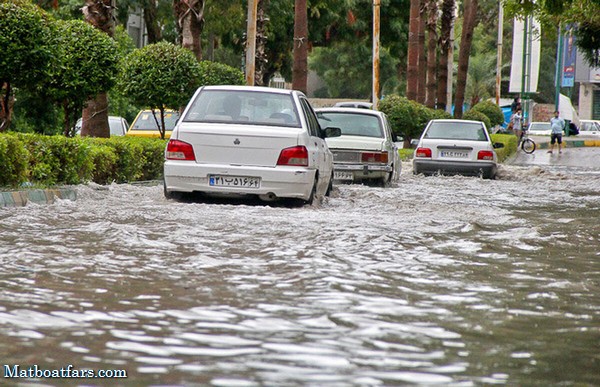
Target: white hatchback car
{"x":242,"y":140}
{"x":589,"y":127}
{"x":456,"y":147}
{"x":366,"y":150}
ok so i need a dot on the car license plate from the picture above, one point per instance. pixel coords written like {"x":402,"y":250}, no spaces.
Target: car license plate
{"x":234,"y":181}
{"x":343,"y":175}
{"x":455,"y":154}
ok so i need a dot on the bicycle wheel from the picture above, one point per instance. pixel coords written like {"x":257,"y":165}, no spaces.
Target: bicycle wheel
{"x":528,"y":145}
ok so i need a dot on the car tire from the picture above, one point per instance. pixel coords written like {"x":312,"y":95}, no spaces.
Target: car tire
{"x":312,"y":199}
{"x":330,"y":186}
{"x":171,"y":195}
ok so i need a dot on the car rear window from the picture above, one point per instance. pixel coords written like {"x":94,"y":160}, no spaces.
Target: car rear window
{"x":147,"y":121}
{"x":243,"y":107}
{"x":352,"y":124}
{"x":540,"y":126}
{"x":456,"y":131}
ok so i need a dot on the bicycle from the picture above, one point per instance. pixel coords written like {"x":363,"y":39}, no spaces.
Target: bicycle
{"x":527,"y":145}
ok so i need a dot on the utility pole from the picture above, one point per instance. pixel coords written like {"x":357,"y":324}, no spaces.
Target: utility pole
{"x":376,"y":29}
{"x":558,"y":74}
{"x":251,"y":42}
{"x":499,"y":50}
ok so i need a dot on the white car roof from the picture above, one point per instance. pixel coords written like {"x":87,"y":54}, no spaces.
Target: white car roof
{"x":349,"y":110}
{"x":251,"y":88}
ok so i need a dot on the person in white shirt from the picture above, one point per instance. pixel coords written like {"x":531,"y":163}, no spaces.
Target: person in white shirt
{"x":557,"y":124}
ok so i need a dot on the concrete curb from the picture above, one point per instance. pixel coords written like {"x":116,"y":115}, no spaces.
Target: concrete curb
{"x":544,"y":143}
{"x":38,"y":196}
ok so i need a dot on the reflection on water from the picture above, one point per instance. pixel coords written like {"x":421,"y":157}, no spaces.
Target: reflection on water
{"x":438,"y":280}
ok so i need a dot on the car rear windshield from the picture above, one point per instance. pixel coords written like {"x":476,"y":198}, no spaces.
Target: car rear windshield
{"x":352,"y":124}
{"x":147,"y":121}
{"x":540,"y":126}
{"x":456,"y":131}
{"x":243,"y":107}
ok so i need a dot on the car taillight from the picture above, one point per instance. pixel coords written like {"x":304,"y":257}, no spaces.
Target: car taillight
{"x":179,"y":150}
{"x":485,"y":155}
{"x":423,"y":152}
{"x":297,"y":155}
{"x":374,"y":157}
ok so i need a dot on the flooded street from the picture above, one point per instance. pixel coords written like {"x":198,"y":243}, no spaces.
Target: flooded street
{"x":447,"y":280}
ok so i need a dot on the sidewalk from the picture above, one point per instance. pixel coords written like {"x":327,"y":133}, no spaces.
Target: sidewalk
{"x":38,"y":196}
{"x":543,"y":142}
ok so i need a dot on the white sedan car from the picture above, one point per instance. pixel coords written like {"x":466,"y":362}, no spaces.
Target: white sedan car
{"x":241,"y":140}
{"x":539,"y":129}
{"x":366,"y":150}
{"x":456,"y":147}
{"x":589,"y":127}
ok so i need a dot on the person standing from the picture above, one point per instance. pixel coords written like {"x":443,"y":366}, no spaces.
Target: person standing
{"x":517,"y":124}
{"x":557,"y":124}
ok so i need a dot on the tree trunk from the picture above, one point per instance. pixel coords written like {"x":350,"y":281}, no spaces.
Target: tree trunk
{"x":431,"y":52}
{"x":422,"y":88}
{"x":412,"y":68}
{"x":190,"y":23}
{"x":151,"y":21}
{"x":445,"y":42}
{"x":466,"y":40}
{"x":300,"y":66}
{"x":100,"y":14}
{"x":7,"y":101}
{"x":261,"y":62}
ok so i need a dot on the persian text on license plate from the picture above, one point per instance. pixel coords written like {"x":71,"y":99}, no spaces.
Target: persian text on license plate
{"x":455,"y":154}
{"x":343,"y":175}
{"x":234,"y":181}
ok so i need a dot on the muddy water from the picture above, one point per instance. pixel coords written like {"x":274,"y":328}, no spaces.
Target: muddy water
{"x":445,"y":280}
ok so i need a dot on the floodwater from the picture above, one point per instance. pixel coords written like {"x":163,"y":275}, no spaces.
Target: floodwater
{"x":439,"y":280}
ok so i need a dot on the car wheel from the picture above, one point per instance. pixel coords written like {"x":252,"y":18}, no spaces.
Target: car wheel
{"x":312,"y":199}
{"x":330,"y":186}
{"x":171,"y":195}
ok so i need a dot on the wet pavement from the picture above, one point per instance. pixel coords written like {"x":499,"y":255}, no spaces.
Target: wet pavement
{"x":438,"y":280}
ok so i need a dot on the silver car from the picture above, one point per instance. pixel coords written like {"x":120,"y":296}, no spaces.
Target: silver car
{"x":456,"y":147}
{"x":366,"y":151}
{"x":241,"y":140}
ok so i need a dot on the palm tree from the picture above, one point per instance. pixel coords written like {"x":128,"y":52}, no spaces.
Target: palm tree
{"x":469,"y":18}
{"x":412,"y":68}
{"x":432,"y":11}
{"x":445,"y":42}
{"x":190,"y":23}
{"x":100,"y":14}
{"x":300,"y":66}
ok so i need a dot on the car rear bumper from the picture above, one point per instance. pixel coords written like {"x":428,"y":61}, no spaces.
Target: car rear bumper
{"x":364,"y":171}
{"x":428,"y":167}
{"x":283,"y":182}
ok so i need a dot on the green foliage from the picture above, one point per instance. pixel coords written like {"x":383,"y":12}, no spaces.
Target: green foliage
{"x":345,"y":67}
{"x":510,"y":145}
{"x":13,"y":158}
{"x":85,"y":66}
{"x":408,"y":118}
{"x":52,"y":160}
{"x":492,"y":111}
{"x":213,"y":73}
{"x":477,"y":116}
{"x":24,"y":36}
{"x":57,"y":159}
{"x":159,"y":75}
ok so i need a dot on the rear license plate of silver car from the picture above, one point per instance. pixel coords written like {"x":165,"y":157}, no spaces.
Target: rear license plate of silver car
{"x":234,"y":181}
{"x":343,"y":175}
{"x":454,"y":154}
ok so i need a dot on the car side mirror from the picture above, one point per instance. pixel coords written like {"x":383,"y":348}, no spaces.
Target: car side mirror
{"x":498,"y":145}
{"x":331,"y":132}
{"x":414,"y":142}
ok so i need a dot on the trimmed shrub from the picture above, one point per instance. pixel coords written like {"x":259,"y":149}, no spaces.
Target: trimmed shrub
{"x":57,"y":159}
{"x":510,"y":145}
{"x":13,"y":159}
{"x":214,"y":73}
{"x":408,"y":118}
{"x":492,"y":111}
{"x":478,"y":116}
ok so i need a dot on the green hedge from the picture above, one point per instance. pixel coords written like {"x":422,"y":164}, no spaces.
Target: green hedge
{"x":51,"y":160}
{"x":510,"y":145}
